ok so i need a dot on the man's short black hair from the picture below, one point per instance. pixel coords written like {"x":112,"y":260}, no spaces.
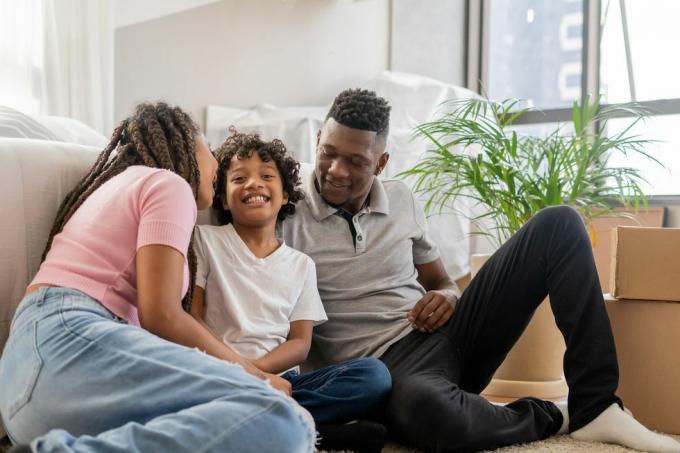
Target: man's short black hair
{"x":361,"y":109}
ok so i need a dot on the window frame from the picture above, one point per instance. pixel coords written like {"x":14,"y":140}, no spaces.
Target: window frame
{"x":477,"y":69}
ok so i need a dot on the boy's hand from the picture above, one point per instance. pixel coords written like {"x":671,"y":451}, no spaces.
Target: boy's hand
{"x":279,"y":383}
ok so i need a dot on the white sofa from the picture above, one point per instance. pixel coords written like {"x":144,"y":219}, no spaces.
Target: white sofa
{"x":35,"y":176}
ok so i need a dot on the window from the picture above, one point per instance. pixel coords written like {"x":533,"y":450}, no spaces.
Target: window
{"x":663,"y":129}
{"x":633,"y":65}
{"x":22,"y":48}
{"x":543,"y":129}
{"x":553,"y":53}
{"x":535,"y":51}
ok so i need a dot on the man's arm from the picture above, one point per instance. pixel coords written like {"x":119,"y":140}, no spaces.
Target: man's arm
{"x":435,"y":308}
{"x":291,"y":352}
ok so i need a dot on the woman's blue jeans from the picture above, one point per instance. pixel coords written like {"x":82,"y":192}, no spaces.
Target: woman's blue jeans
{"x":73,"y":377}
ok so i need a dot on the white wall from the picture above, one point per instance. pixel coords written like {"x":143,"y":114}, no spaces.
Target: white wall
{"x":246,"y":52}
{"x":428,"y":38}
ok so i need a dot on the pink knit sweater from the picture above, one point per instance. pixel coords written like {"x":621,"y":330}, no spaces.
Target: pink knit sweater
{"x":96,"y":251}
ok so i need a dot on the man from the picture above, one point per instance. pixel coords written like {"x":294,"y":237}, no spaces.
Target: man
{"x":387,"y":295}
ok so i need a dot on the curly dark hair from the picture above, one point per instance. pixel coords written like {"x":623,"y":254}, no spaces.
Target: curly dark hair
{"x":361,"y":109}
{"x":156,"y":135}
{"x":243,"y":146}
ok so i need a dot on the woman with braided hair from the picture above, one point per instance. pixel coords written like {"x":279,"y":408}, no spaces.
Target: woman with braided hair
{"x":102,"y":354}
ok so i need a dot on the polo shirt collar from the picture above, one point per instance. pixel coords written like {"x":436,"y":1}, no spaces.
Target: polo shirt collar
{"x":322,"y":210}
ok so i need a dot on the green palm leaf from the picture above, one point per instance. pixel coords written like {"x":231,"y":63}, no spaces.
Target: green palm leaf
{"x":475,"y":155}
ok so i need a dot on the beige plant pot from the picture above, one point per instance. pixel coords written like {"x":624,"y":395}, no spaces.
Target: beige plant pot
{"x":534,"y":365}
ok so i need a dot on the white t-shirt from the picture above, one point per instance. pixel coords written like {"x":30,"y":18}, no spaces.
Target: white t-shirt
{"x":250,"y":301}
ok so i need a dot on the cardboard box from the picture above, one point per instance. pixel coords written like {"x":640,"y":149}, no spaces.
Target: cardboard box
{"x":647,"y":335}
{"x":646,"y":264}
{"x":601,"y":229}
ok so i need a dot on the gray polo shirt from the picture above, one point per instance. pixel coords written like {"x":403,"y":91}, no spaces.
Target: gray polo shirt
{"x":367,"y":288}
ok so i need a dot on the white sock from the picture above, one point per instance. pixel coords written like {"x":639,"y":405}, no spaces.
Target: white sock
{"x":562,"y":406}
{"x":615,"y":426}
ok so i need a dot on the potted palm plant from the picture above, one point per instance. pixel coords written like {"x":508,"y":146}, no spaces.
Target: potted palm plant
{"x":477,"y":155}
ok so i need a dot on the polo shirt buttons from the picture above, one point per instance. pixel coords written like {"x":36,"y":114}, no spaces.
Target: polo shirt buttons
{"x":359,"y":243}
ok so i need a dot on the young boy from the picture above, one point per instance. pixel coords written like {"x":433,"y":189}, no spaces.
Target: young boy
{"x":260,"y":298}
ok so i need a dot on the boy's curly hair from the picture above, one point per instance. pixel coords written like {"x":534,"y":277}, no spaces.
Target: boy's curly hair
{"x":243,"y":145}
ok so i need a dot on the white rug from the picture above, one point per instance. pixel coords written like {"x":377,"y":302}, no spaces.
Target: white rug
{"x":555,"y":444}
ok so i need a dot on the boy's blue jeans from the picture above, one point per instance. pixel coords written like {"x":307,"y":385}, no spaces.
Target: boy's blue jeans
{"x":342,"y":392}
{"x":71,"y":364}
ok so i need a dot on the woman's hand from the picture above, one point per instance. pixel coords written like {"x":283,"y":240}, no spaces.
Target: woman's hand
{"x":280,"y":383}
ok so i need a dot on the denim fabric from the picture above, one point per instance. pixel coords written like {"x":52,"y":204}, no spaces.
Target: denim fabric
{"x":342,"y":392}
{"x":76,"y":378}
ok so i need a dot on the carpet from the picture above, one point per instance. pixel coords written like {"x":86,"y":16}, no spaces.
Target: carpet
{"x":556,"y":444}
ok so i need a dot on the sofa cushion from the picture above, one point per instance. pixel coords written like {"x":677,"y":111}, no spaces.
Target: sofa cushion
{"x":14,"y":124}
{"x":72,"y":131}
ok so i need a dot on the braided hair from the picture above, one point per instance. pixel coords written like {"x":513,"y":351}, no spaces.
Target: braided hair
{"x":157,"y":136}
{"x":361,"y":109}
{"x":243,"y":146}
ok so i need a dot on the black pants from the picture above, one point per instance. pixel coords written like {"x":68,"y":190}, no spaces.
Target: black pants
{"x":435,"y":403}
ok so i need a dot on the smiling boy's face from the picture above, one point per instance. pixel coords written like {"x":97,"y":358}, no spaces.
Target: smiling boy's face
{"x":254,"y":191}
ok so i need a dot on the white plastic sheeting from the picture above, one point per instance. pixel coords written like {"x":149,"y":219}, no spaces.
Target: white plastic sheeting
{"x":295,"y":126}
{"x":414,"y":100}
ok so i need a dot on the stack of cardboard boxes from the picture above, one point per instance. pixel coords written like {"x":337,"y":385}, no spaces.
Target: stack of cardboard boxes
{"x":602,"y":228}
{"x":644,"y":309}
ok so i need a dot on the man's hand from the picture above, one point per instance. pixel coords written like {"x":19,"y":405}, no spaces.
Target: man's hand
{"x":279,"y":383}
{"x":432,"y":310}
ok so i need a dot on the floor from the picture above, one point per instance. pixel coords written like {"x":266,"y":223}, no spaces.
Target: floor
{"x":557,"y":444}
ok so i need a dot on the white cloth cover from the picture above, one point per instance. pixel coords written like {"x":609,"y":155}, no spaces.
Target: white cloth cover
{"x":295,"y":126}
